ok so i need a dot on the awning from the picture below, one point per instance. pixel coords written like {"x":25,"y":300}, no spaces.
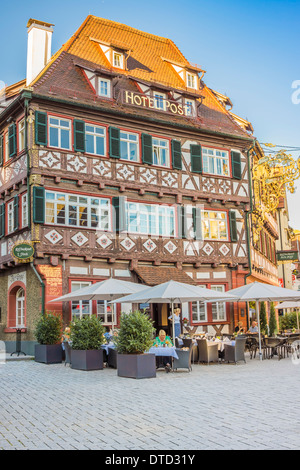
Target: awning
{"x":153,"y":275}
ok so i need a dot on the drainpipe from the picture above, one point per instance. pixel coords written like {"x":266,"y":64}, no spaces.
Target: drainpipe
{"x":247,"y":222}
{"x":42,"y":286}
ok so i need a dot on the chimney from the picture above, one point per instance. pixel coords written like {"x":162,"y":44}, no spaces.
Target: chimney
{"x":38,"y":47}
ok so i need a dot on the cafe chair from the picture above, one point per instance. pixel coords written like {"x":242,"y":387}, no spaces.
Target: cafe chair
{"x":274,"y":347}
{"x":187,"y":342}
{"x":177,"y":343}
{"x":112,"y":358}
{"x":207,"y":352}
{"x":235,"y":353}
{"x":184,"y":360}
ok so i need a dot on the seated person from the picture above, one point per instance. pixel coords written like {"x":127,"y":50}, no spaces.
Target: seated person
{"x":253,"y":328}
{"x":239,"y":330}
{"x":162,"y":340}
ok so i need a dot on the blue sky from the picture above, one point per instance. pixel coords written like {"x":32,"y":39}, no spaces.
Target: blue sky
{"x":249,"y":49}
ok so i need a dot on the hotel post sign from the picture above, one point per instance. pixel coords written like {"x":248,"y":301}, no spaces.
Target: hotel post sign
{"x":147,"y":102}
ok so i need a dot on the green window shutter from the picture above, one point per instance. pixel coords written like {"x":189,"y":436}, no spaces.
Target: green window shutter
{"x":40,"y":128}
{"x":182,"y":221}
{"x":1,"y":150}
{"x":233,"y":227}
{"x":119,"y":213}
{"x":79,"y":135}
{"x":38,"y":205}
{"x":16,"y":212}
{"x":114,"y":142}
{"x":12,"y":140}
{"x":196,"y":158}
{"x":147,"y":149}
{"x":197,"y":223}
{"x":176,"y":155}
{"x":2,"y":220}
{"x":236,"y":165}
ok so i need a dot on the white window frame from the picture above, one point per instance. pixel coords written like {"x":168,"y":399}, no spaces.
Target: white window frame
{"x":209,"y":220}
{"x":162,"y":215}
{"x":81,"y":303}
{"x":66,"y":202}
{"x":104,"y":315}
{"x":10,"y":216}
{"x":189,"y":106}
{"x":59,"y":128}
{"x":191,"y":80}
{"x":95,"y":136}
{"x":24,"y":210}
{"x":6,"y":146}
{"x":21,"y":137}
{"x":211,"y":160}
{"x":157,"y":149}
{"x":108,"y":82}
{"x":159,"y":100}
{"x":199,"y":305}
{"x":218,"y":307}
{"x":120,"y":65}
{"x":128,"y":141}
{"x":20,"y":308}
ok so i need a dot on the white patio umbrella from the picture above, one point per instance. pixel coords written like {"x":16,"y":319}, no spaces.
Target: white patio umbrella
{"x":110,"y":289}
{"x":176,"y":292}
{"x":259,"y":292}
{"x":295,"y":305}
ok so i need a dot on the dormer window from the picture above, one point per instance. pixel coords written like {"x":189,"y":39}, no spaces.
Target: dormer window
{"x":191,"y":81}
{"x":189,"y":107}
{"x":104,"y":87}
{"x":160,"y":100}
{"x":118,"y":60}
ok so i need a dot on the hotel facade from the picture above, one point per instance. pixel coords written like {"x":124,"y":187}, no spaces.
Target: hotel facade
{"x":117,"y":160}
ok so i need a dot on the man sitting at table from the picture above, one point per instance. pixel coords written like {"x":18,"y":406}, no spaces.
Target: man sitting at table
{"x":163,"y":341}
{"x":253,"y":328}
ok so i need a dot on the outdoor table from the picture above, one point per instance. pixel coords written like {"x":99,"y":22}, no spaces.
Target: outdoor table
{"x":221,"y":343}
{"x":107,"y":346}
{"x":161,"y":351}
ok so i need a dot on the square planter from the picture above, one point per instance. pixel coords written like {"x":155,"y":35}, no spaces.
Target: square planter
{"x":87,"y":359}
{"x":136,"y":366}
{"x":48,"y":354}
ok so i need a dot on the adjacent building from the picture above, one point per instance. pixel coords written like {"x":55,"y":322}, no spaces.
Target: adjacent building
{"x":118,"y":160}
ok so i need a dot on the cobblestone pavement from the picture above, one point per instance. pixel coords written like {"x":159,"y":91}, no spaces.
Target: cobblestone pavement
{"x":225,"y":406}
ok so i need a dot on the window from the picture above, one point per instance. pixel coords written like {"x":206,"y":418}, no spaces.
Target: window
{"x":191,"y":80}
{"x":95,"y":139}
{"x":10,"y":217}
{"x":21,"y":128}
{"x":160,"y":149}
{"x":129,"y":146}
{"x":76,"y":210}
{"x":189,"y":107}
{"x":218,"y":308}
{"x":118,"y":60}
{"x":159,"y":100}
{"x":214,"y":225}
{"x":24,"y":209}
{"x":215,"y":161}
{"x":104,"y":87}
{"x":20,"y":308}
{"x":105,"y":312}
{"x":6,"y":146}
{"x":60,"y":133}
{"x":80,"y":308}
{"x":199,"y":311}
{"x":150,"y":219}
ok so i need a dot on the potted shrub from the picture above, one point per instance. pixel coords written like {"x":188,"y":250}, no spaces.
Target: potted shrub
{"x":48,"y":334}
{"x":135,"y":338}
{"x":86,"y":339}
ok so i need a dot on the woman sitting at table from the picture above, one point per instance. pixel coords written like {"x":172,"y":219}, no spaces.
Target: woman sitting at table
{"x":163,"y":341}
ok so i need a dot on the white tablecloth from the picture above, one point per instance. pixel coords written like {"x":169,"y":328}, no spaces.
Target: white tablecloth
{"x":221,"y":343}
{"x":160,"y":351}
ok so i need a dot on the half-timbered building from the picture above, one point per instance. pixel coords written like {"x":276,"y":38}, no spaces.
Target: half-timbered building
{"x":118,"y":160}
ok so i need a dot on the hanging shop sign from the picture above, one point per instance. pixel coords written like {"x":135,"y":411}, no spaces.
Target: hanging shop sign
{"x":23,"y":251}
{"x":287,"y":256}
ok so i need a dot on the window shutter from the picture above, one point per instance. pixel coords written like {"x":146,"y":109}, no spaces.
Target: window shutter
{"x":16,"y":212}
{"x":12,"y":140}
{"x":119,"y":216}
{"x":182,"y":221}
{"x":176,"y":155}
{"x":38,"y":205}
{"x":147,"y":149}
{"x":114,"y":142}
{"x":1,"y":150}
{"x":236,"y":165}
{"x":79,"y":135}
{"x":40,"y":128}
{"x":197,"y":223}
{"x":233,"y":227}
{"x":196,"y":158}
{"x":2,"y":220}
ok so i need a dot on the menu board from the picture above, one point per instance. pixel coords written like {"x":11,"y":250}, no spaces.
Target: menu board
{"x":53,"y":284}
